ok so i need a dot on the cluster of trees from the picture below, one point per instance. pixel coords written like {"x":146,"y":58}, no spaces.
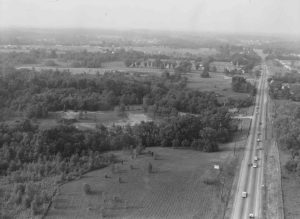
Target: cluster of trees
{"x":184,"y":100}
{"x":20,"y":58}
{"x":247,"y":59}
{"x":28,"y":155}
{"x":241,"y":102}
{"x":232,"y":72}
{"x":183,"y":67}
{"x":241,"y":85}
{"x":285,"y":86}
{"x":138,"y":60}
{"x":279,"y":90}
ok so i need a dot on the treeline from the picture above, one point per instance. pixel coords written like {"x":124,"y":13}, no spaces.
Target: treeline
{"x":76,"y":59}
{"x":241,"y":85}
{"x":287,"y":127}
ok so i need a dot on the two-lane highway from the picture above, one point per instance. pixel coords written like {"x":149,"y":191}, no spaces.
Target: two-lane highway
{"x":250,"y":176}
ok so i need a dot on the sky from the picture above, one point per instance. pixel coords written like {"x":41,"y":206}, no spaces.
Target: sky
{"x":238,"y":16}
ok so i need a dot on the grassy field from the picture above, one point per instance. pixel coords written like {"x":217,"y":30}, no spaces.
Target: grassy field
{"x":175,"y":188}
{"x":218,"y":82}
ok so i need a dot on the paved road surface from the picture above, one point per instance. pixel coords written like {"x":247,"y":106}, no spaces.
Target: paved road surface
{"x":250,"y":178}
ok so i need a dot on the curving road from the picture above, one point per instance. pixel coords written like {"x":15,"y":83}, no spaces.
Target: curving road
{"x":250,"y":178}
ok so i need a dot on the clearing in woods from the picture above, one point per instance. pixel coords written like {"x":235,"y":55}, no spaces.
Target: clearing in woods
{"x":218,"y":82}
{"x":174,"y":189}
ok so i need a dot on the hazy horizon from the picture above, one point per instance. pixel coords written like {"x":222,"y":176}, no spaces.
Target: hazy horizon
{"x":230,"y":16}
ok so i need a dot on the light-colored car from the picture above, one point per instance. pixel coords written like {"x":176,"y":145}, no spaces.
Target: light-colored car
{"x":255,"y":158}
{"x":251,"y":215}
{"x":258,"y":140}
{"x":254,"y":165}
{"x":244,"y":194}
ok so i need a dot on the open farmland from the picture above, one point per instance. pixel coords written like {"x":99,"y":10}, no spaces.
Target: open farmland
{"x":174,"y":189}
{"x":219,"y":83}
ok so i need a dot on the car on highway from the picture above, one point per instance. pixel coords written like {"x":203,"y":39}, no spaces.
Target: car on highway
{"x":251,"y":215}
{"x":244,"y":194}
{"x":255,"y":158}
{"x":254,"y":165}
{"x":258,"y":140}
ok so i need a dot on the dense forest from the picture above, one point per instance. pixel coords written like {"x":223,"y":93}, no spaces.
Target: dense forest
{"x":36,"y":93}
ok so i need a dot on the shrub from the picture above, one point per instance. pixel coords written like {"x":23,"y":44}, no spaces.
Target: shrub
{"x":150,"y":168}
{"x":26,"y":201}
{"x":34,"y":206}
{"x":211,"y":181}
{"x":18,"y":197}
{"x":291,"y":165}
{"x":139,"y":149}
{"x":175,"y":143}
{"x":185,"y":143}
{"x":86,"y":188}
